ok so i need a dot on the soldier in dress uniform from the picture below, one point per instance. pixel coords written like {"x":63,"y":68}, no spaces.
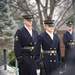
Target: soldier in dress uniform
{"x":50,"y":44}
{"x":69,"y":43}
{"x":25,"y":40}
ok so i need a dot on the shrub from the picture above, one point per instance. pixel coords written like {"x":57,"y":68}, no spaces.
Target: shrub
{"x":11,"y":58}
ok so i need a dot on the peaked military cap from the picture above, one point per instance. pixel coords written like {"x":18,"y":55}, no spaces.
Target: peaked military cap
{"x":50,"y":23}
{"x":70,"y":23}
{"x":27,"y":16}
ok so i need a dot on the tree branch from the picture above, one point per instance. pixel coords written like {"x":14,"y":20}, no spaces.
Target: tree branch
{"x":64,"y":14}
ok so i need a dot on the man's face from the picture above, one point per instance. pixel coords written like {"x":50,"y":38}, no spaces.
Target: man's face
{"x":48,"y":28}
{"x":28,"y":22}
{"x":69,"y":28}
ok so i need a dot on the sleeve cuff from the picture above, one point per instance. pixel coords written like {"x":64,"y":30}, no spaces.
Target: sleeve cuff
{"x":20,"y":59}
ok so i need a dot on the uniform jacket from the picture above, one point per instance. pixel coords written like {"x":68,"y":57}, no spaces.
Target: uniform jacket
{"x":67,"y":38}
{"x":23,"y":38}
{"x":46,"y":43}
{"x":25,"y":57}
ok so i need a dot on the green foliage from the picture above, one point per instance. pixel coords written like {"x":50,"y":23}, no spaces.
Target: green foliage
{"x":5,"y":1}
{"x":2,"y":4}
{"x":11,"y":58}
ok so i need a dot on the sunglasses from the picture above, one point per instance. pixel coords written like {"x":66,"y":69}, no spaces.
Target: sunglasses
{"x":29,"y":20}
{"x":70,"y":25}
{"x":51,"y":25}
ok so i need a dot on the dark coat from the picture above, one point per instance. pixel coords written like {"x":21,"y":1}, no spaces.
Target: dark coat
{"x":67,"y":39}
{"x":51,"y":61}
{"x":25,"y":57}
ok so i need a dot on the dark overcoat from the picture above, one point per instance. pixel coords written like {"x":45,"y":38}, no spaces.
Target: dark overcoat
{"x":50,"y":60}
{"x":24,"y":50}
{"x":67,"y":39}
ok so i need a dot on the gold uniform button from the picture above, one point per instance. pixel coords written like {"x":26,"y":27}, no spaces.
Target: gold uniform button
{"x":54,"y":54}
{"x":31,"y":50}
{"x":54,"y":48}
{"x":35,"y":43}
{"x":55,"y":51}
{"x":30,"y":43}
{"x":50,"y":54}
{"x":30,"y":56}
{"x":70,"y":40}
{"x":50,"y":60}
{"x":54,"y":60}
{"x":72,"y":43}
{"x":32,"y":47}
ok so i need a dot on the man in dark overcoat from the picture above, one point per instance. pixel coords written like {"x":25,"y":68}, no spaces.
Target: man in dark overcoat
{"x":49,"y":43}
{"x":24,"y":43}
{"x":69,"y":42}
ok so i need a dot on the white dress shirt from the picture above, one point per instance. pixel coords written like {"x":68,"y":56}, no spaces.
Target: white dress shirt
{"x":70,"y":32}
{"x":50,"y":34}
{"x":30,"y":31}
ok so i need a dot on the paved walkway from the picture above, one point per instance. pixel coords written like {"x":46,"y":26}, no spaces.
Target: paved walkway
{"x":12,"y":71}
{"x":9,"y":71}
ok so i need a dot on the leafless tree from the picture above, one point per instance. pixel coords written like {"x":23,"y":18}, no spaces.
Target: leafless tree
{"x":41,"y":9}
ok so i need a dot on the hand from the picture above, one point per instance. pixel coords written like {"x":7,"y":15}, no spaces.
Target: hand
{"x":40,"y":63}
{"x":20,"y":60}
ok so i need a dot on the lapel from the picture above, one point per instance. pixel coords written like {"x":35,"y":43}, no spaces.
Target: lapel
{"x":33,"y":35}
{"x":73,"y":35}
{"x":54,"y":40}
{"x":48,"y":37}
{"x":70,"y":35}
{"x":27,"y":34}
